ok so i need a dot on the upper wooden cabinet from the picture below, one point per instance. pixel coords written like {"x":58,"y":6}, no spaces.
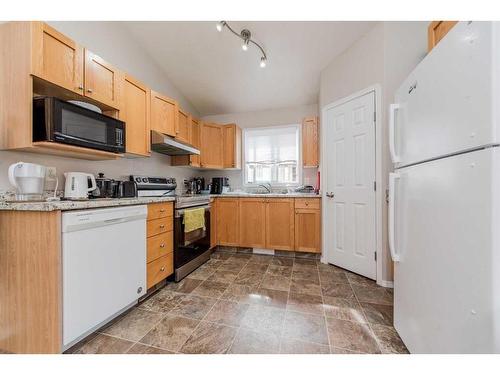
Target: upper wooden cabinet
{"x":56,"y":58}
{"x":310,"y":142}
{"x":252,"y":222}
{"x":194,"y":160}
{"x":102,"y":80}
{"x":135,"y":112}
{"x":228,"y":222}
{"x":183,"y":132}
{"x":163,"y":114}
{"x":231,"y":146}
{"x":211,"y":146}
{"x":280,"y":223}
{"x":436,"y":31}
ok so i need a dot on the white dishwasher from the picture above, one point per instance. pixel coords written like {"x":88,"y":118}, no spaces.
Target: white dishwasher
{"x":104,"y":266}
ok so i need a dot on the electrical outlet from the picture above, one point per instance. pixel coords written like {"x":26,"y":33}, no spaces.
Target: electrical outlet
{"x":51,"y":172}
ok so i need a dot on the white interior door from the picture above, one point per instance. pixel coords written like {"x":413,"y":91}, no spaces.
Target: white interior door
{"x":349,"y":204}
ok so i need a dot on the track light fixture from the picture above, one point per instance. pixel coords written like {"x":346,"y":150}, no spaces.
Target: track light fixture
{"x":246,"y":36}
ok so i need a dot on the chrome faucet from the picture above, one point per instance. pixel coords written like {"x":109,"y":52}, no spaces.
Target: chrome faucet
{"x":266,"y":186}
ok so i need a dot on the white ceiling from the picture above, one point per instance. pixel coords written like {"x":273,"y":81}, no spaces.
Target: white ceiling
{"x":217,"y":77}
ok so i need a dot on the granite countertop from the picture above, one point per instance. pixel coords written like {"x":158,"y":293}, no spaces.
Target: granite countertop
{"x":242,"y":194}
{"x":80,"y":205}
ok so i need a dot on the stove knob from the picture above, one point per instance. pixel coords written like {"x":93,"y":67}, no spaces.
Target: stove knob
{"x":138,"y":179}
{"x":144,"y":179}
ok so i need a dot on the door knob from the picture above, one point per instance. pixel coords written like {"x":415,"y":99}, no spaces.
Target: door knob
{"x":330,"y":195}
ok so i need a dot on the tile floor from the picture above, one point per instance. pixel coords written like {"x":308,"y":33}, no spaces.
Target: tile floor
{"x":244,"y":303}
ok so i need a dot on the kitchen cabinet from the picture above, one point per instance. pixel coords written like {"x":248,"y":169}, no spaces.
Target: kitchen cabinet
{"x":307,"y":230}
{"x":163,"y":114}
{"x":231,"y":146}
{"x":437,"y":31}
{"x":310,"y":142}
{"x":228,"y":222}
{"x":190,"y":160}
{"x":280,"y":223}
{"x":183,"y":131}
{"x":102,"y":80}
{"x":252,"y":223}
{"x":135,"y":112}
{"x":160,"y":244}
{"x":211,"y":146}
{"x":56,"y":58}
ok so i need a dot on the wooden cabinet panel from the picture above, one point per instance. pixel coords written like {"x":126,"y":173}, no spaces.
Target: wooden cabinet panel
{"x":135,"y":112}
{"x":213,"y":224}
{"x":280,"y":223}
{"x":160,"y":269}
{"x":231,"y":144}
{"x":211,"y":146}
{"x":194,"y":160}
{"x":311,"y":203}
{"x":56,"y":58}
{"x":436,"y":31}
{"x":307,"y":230}
{"x":159,"y":210}
{"x":159,"y":245}
{"x":158,"y":226}
{"x":228,"y":221}
{"x":102,"y":80}
{"x":310,"y":142}
{"x":183,"y":133}
{"x":252,"y":222}
{"x":163,"y":114}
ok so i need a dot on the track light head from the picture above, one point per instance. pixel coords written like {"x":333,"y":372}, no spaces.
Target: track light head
{"x":263,"y":62}
{"x":220,"y":26}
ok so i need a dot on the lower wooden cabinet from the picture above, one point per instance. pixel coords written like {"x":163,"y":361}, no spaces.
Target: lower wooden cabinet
{"x":213,"y":223}
{"x":252,"y":222}
{"x":228,"y":222}
{"x":160,"y":242}
{"x":280,"y":223}
{"x":308,"y":230}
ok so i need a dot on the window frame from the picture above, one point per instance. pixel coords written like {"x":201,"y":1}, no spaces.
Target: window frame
{"x":299,"y":159}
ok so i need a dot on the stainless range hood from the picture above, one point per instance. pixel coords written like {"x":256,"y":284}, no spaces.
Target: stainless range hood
{"x":167,"y":145}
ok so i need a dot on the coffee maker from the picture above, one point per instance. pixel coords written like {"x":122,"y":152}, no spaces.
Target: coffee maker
{"x":218,"y":184}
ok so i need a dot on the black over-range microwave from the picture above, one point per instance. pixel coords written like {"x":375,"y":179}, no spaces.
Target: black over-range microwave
{"x":59,"y":121}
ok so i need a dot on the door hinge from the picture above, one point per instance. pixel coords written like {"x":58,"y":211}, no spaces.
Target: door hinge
{"x":375,"y":256}
{"x":374,"y":117}
{"x":374,"y":185}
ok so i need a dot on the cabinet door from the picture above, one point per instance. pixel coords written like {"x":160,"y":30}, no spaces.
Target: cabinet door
{"x":252,"y":222}
{"x":184,"y":126}
{"x":211,"y":146}
{"x":163,"y":114}
{"x":228,"y":222}
{"x":310,"y":140}
{"x":194,"y":160}
{"x":102,"y":80}
{"x":280,"y":223}
{"x":436,"y":31}
{"x":307,"y":230}
{"x":135,"y":112}
{"x":213,"y":224}
{"x":231,"y":146}
{"x":56,"y":58}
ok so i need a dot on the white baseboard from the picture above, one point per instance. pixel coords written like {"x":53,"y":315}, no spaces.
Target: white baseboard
{"x":263,"y":251}
{"x":386,"y":283}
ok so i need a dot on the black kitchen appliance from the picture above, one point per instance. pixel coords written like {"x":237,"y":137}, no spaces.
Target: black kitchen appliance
{"x":154,"y":186}
{"x":217,"y":184}
{"x":55,"y":120}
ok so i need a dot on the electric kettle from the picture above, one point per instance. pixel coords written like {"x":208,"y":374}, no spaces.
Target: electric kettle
{"x":28,"y":179}
{"x":77,"y":185}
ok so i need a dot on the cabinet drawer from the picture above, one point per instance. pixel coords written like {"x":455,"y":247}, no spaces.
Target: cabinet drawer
{"x":159,"y":269}
{"x":160,"y":245}
{"x":312,"y":203}
{"x":158,"y":226}
{"x":158,"y":210}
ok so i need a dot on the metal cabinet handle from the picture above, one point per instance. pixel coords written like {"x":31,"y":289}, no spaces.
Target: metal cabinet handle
{"x":330,"y":195}
{"x":80,"y":87}
{"x":162,"y":245}
{"x":89,"y":90}
{"x":162,"y":269}
{"x":162,"y":210}
{"x":162,"y":226}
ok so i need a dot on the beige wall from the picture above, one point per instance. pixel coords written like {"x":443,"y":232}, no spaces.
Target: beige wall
{"x":384,"y":56}
{"x":282,"y":116}
{"x":109,"y":40}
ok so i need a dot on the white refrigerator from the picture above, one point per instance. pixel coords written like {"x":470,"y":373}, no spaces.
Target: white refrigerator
{"x":444,"y":196}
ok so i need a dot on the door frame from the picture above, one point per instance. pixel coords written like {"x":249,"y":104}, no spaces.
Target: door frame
{"x":379,"y":196}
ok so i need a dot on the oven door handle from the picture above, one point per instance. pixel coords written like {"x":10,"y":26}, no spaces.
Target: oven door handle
{"x":180,"y":212}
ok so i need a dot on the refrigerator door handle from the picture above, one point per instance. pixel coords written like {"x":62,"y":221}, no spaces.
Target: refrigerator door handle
{"x":392,"y":198}
{"x":392,"y":139}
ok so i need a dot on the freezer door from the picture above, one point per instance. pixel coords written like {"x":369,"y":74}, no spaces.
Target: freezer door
{"x":445,"y":291}
{"x":446,"y":104}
